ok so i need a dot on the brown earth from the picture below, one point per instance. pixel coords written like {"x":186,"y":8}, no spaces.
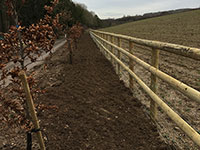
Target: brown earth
{"x":96,"y":111}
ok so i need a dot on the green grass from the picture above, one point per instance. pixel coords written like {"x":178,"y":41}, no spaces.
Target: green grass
{"x":180,"y":28}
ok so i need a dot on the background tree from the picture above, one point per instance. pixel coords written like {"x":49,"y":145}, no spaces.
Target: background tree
{"x":33,"y":10}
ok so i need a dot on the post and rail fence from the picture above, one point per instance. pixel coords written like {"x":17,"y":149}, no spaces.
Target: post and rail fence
{"x":102,"y":40}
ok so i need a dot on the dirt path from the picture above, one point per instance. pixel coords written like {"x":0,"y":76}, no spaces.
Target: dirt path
{"x":96,"y":111}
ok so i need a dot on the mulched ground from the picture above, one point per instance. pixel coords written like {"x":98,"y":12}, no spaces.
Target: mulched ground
{"x":95,"y":109}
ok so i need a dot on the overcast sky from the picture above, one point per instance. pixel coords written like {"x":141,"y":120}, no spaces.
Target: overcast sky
{"x":119,"y":8}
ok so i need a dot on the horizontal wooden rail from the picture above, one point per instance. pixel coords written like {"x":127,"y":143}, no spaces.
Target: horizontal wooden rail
{"x":173,"y":115}
{"x":172,"y":48}
{"x":183,"y":88}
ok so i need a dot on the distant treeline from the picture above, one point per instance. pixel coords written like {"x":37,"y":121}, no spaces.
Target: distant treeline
{"x":31,"y":11}
{"x":126,"y":19}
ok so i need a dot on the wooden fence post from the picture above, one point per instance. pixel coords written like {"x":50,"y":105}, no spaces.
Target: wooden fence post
{"x":112,"y":50}
{"x":154,"y":82}
{"x":31,"y":108}
{"x":107,"y":46}
{"x":131,"y":66}
{"x":119,"y":44}
{"x":98,"y":44}
{"x":104,"y":44}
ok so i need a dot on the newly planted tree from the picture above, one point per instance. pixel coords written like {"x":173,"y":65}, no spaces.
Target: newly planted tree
{"x":22,"y":46}
{"x":73,"y":35}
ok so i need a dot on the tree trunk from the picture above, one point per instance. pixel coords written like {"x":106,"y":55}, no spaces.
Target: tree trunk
{"x":70,"y":51}
{"x":4,"y":21}
{"x":1,"y":21}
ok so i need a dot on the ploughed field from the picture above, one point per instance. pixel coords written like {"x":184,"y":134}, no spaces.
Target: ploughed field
{"x":183,"y":29}
{"x":95,"y":109}
{"x":180,"y":28}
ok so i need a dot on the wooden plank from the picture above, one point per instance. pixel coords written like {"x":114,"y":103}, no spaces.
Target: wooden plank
{"x":154,"y":82}
{"x":190,"y":52}
{"x":173,"y":115}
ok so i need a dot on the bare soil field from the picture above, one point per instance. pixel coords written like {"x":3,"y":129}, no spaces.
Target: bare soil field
{"x":180,"y":28}
{"x":95,"y":109}
{"x":184,"y":29}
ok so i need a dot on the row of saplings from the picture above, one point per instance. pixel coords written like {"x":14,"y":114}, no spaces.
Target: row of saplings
{"x":18,"y":45}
